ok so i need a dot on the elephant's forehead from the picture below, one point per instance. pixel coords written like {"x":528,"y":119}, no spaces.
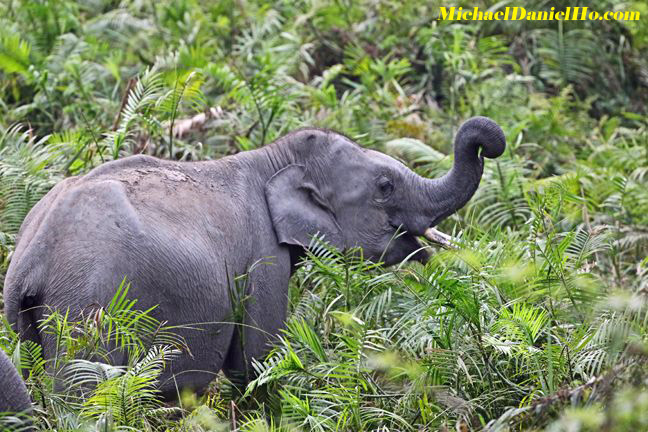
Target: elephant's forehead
{"x":382,"y":160}
{"x":354,"y":167}
{"x":355,"y":170}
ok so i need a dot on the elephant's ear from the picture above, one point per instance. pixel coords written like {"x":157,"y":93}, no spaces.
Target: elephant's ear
{"x":299,"y":211}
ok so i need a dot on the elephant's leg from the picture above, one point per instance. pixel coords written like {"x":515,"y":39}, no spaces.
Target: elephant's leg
{"x":198,"y":311}
{"x":264,"y":309}
{"x":196,"y":370}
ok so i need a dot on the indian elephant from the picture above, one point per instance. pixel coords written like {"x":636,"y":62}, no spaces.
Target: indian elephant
{"x":181,"y":231}
{"x":13,"y":393}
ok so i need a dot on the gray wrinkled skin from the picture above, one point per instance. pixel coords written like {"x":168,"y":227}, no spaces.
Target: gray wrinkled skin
{"x":13,"y":393}
{"x":179,"y":231}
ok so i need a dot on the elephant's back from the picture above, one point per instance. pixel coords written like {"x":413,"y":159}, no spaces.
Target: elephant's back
{"x":148,"y":223}
{"x":168,"y":229}
{"x":64,"y":246}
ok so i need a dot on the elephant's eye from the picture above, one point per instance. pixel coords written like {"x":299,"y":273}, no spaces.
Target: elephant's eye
{"x":385,"y":188}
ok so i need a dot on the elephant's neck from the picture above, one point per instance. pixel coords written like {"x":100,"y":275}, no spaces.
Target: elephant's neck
{"x":307,"y":147}
{"x":263,"y":163}
{"x":276,"y":158}
{"x":269,"y":160}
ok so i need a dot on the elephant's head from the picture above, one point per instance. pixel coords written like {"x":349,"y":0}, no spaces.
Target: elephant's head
{"x":359,"y":197}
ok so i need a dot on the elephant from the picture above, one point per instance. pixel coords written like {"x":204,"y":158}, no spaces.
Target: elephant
{"x":181,"y":232}
{"x":13,"y":392}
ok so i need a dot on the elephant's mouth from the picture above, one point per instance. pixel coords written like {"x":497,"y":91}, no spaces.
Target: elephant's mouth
{"x":409,"y":246}
{"x":420,"y":253}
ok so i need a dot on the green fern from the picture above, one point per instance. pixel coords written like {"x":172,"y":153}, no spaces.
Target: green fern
{"x":14,"y":54}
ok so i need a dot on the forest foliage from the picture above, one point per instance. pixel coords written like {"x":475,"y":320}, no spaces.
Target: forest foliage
{"x":539,"y":321}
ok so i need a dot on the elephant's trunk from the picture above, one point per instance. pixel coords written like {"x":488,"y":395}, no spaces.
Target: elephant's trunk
{"x":452,"y":191}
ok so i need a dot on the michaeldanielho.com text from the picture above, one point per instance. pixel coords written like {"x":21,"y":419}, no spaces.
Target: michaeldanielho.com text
{"x":521,"y":14}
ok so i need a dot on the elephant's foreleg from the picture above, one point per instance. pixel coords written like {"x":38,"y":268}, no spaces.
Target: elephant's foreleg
{"x":262,"y":313}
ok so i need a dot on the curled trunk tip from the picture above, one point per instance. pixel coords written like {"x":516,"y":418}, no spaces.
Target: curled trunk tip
{"x":481,"y":132}
{"x":478,"y":137}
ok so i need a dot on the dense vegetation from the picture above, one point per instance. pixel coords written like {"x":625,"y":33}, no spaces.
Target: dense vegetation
{"x":540,"y":319}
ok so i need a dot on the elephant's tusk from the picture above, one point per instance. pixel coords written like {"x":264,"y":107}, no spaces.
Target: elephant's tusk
{"x":437,"y":236}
